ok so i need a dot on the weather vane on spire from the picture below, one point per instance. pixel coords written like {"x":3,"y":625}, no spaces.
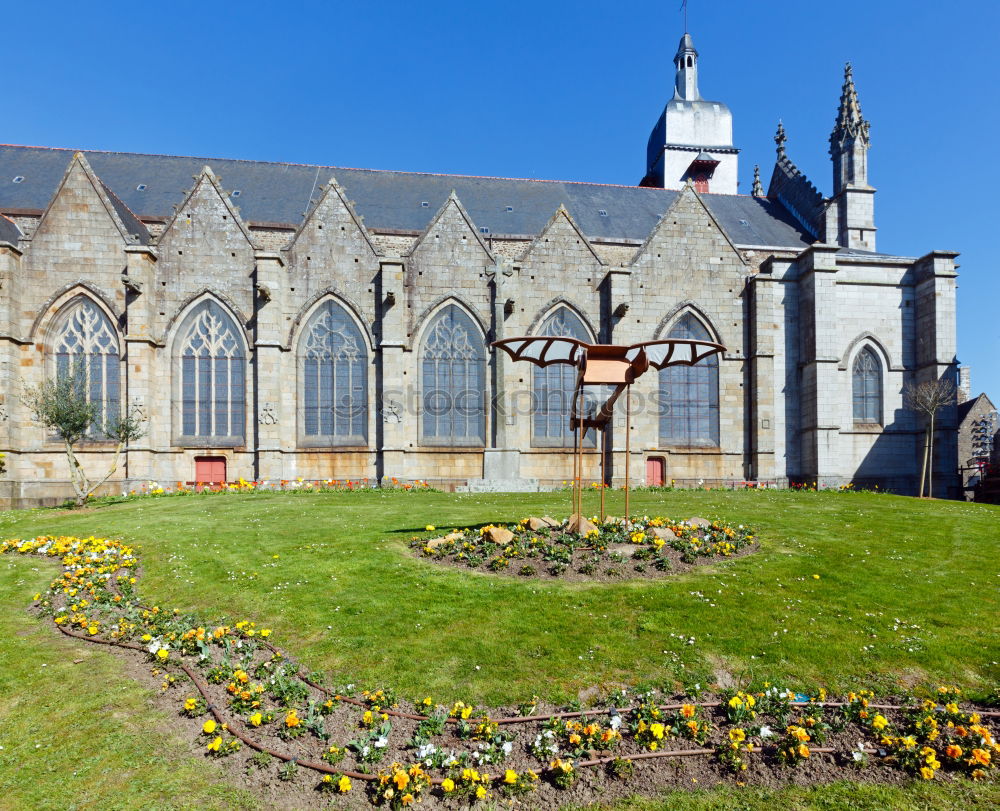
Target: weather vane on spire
{"x":684,"y":8}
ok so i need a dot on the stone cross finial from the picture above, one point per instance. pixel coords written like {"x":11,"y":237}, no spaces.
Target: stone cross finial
{"x":780,"y":138}
{"x":758,"y":190}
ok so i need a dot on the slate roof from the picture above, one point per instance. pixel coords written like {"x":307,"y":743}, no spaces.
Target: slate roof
{"x":132,"y":223}
{"x":281,"y":194}
{"x":968,"y":405}
{"x":8,"y":231}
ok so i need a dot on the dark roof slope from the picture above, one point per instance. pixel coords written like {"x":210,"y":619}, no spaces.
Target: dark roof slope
{"x":9,"y":232}
{"x":965,"y":408}
{"x":132,"y":223}
{"x":797,"y":194}
{"x":281,"y":194}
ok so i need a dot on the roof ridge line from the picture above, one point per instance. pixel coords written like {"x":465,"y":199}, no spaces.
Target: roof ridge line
{"x":209,"y":160}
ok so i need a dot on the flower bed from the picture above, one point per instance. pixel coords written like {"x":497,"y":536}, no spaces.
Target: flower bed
{"x":251,"y":706}
{"x":608,"y":550}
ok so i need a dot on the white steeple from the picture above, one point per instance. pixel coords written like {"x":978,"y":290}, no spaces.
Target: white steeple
{"x":686,"y":61}
{"x":692,"y":140}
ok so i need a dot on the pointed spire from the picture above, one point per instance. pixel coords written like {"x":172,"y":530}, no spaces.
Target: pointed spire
{"x":780,"y":138}
{"x":758,"y":189}
{"x":686,"y":62}
{"x":850,"y":123}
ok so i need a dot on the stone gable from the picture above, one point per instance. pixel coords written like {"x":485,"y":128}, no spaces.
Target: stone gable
{"x":204,"y":247}
{"x":78,"y":240}
{"x":332,"y":248}
{"x":449,"y":259}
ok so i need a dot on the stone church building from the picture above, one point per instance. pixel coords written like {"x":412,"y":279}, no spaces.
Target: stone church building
{"x":273,"y":321}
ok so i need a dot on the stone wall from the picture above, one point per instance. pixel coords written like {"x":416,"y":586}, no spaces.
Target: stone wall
{"x":791,"y":324}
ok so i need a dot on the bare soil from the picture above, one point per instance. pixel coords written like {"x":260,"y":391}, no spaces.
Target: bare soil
{"x":595,"y":784}
{"x":609,"y":570}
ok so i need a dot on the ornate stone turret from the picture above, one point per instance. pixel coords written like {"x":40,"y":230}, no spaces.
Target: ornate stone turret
{"x":758,"y":189}
{"x":853,"y":198}
{"x":692,"y":141}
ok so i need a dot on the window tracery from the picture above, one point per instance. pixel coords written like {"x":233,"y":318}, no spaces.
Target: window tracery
{"x":334,"y":379}
{"x":553,"y":387}
{"x":453,"y":368}
{"x":213,"y":376}
{"x":689,"y":408}
{"x":86,"y":343}
{"x":867,"y":387}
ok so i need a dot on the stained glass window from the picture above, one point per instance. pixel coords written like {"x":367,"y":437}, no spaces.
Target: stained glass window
{"x":334,"y":379}
{"x":689,"y":408}
{"x":213,"y":376}
{"x":86,"y":343}
{"x":867,"y":384}
{"x":453,"y":367}
{"x":553,"y":387}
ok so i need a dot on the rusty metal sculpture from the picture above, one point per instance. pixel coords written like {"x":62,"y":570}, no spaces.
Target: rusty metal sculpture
{"x":603,"y":365}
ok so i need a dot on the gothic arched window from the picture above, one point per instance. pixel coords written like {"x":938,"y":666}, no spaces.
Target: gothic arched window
{"x":867,"y":385}
{"x":689,"y":414}
{"x":453,"y":381}
{"x":86,"y":344}
{"x":213,"y":376}
{"x":333,"y":374}
{"x":553,"y":387}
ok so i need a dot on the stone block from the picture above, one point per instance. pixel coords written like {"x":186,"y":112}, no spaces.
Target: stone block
{"x":498,"y":535}
{"x":579,"y":524}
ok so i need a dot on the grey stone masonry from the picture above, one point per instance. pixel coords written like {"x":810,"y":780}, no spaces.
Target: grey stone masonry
{"x":329,"y":308}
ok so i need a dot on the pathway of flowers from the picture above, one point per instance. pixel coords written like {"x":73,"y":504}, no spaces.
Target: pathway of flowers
{"x":250,"y":694}
{"x":543,"y":547}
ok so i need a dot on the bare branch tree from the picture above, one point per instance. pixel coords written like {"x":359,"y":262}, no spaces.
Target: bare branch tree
{"x":928,"y":398}
{"x":63,"y":407}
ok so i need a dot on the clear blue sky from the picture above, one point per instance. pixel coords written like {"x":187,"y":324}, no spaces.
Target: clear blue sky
{"x":565,"y":90}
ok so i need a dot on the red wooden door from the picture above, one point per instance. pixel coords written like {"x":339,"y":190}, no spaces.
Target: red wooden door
{"x":654,"y":472}
{"x":210,"y":469}
{"x":701,"y":183}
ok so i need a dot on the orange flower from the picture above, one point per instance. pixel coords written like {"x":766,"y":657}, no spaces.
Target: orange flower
{"x":953,"y":751}
{"x":981,"y":756}
{"x":687,"y":710}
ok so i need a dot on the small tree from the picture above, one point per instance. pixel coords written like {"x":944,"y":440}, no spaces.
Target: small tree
{"x":928,"y":398}
{"x":62,"y":406}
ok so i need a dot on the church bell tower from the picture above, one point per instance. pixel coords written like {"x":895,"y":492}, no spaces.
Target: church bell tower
{"x":692,"y":140}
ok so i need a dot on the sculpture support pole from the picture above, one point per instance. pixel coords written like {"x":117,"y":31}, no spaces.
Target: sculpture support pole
{"x":628,"y":443}
{"x":572,"y":510}
{"x":604,"y":447}
{"x":579,"y":467}
{"x":577,"y":442}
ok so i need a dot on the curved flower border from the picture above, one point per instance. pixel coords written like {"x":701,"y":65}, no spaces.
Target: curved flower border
{"x":245,"y":685}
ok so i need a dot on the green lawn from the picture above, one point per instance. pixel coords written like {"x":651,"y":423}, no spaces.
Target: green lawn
{"x":906,"y":594}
